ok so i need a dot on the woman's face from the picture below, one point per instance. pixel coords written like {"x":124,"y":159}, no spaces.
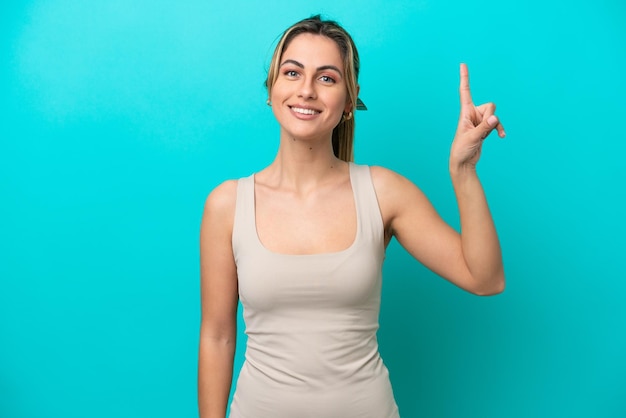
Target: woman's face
{"x":310,"y":95}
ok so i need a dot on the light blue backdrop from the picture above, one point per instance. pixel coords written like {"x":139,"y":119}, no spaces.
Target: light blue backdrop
{"x":118,"y":117}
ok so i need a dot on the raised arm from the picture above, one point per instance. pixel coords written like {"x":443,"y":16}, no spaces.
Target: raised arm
{"x":472,"y":259}
{"x":219,"y":302}
{"x":481,"y":247}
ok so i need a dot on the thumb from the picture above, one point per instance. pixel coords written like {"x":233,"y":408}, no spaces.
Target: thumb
{"x":487,"y":125}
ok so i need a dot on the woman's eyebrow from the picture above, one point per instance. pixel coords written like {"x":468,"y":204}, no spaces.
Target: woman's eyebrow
{"x":294,"y":62}
{"x":328,"y":67}
{"x":300,"y":65}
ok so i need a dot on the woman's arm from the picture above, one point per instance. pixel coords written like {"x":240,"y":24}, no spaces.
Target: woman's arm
{"x":472,"y":259}
{"x":479,"y":240}
{"x":481,"y":247}
{"x":219,"y":294}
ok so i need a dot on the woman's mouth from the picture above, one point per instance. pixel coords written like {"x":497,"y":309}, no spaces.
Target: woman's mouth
{"x":304,"y":111}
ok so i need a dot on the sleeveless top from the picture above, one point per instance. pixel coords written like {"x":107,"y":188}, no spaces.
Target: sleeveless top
{"x":311,"y":320}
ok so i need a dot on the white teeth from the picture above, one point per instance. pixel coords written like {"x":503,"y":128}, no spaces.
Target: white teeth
{"x":304,"y":111}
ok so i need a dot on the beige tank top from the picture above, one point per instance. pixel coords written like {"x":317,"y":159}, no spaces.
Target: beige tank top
{"x":311,"y":320}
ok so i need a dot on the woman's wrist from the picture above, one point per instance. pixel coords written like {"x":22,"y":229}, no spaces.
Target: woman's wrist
{"x":463,"y":170}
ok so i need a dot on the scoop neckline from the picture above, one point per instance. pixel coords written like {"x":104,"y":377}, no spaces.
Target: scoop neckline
{"x":346,"y":250}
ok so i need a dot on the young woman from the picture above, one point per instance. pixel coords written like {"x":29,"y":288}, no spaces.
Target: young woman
{"x":301,"y":244}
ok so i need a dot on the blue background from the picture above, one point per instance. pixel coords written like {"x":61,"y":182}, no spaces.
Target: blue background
{"x":118,"y":117}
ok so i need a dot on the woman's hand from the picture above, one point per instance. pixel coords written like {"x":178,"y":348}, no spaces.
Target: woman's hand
{"x":475,"y":124}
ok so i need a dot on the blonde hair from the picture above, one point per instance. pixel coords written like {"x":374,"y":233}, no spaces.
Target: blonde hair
{"x":343,"y":134}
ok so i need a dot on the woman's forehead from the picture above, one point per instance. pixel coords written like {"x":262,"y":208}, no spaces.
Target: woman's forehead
{"x":313,"y":49}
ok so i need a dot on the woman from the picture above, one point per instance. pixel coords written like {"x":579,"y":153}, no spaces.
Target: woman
{"x":301,"y":243}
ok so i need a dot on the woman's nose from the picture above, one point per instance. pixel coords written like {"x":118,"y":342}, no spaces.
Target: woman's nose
{"x":307,"y":88}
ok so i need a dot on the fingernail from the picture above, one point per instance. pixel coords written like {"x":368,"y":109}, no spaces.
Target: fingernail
{"x":492,"y":120}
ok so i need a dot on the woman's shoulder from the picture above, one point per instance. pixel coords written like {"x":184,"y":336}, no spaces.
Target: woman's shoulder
{"x":391,"y":187}
{"x":387,"y":179}
{"x":396,"y":194}
{"x":222,"y":199}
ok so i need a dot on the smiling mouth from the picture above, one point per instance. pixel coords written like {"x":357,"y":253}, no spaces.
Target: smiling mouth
{"x":303,"y":111}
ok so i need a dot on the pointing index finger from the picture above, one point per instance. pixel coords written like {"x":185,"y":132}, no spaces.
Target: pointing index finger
{"x":464,"y":89}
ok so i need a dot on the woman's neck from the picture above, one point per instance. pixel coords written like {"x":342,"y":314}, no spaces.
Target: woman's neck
{"x":302,"y":165}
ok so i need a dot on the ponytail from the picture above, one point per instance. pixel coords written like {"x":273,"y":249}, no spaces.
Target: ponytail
{"x":343,"y":139}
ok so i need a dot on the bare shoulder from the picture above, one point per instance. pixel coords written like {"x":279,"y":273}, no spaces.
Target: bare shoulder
{"x":385,"y":177}
{"x":397,"y":195}
{"x":219,"y":209}
{"x":391,"y":185}
{"x":222,"y":199}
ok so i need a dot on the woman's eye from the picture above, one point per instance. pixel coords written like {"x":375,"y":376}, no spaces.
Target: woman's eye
{"x":327,"y":79}
{"x":291,"y":73}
